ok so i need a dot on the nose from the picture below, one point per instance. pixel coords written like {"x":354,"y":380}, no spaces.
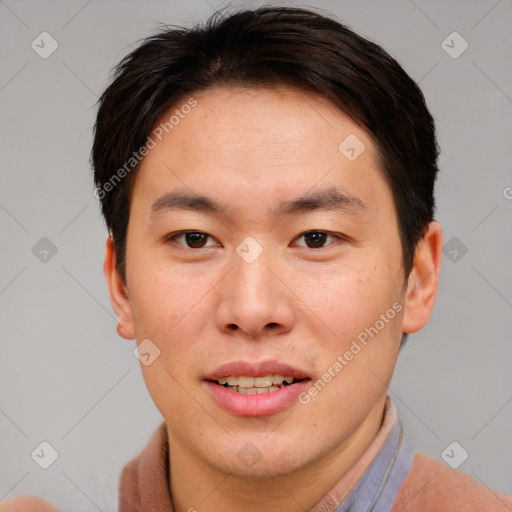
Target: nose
{"x":254,"y":298}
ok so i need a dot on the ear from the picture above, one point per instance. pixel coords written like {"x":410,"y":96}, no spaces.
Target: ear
{"x":423,"y":280}
{"x":118,"y":293}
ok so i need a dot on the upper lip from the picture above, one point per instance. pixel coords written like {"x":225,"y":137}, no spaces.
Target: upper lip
{"x":256,"y":369}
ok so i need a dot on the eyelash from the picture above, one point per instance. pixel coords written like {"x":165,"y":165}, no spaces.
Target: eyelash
{"x":174,"y":236}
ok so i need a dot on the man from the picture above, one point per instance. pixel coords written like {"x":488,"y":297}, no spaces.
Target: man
{"x":267,"y":180}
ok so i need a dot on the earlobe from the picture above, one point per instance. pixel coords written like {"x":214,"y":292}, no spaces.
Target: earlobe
{"x":423,"y":280}
{"x":118,"y":293}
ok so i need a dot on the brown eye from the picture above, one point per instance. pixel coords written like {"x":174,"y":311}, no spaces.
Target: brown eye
{"x":195,"y":240}
{"x":315,"y":238}
{"x":192,"y":239}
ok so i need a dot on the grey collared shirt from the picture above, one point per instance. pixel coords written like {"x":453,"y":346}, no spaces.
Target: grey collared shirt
{"x":377,"y":489}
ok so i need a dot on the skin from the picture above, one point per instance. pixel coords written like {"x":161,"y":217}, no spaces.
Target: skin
{"x":203,"y":307}
{"x":27,"y":504}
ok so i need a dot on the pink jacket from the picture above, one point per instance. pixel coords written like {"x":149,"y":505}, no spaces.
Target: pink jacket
{"x":430,"y":486}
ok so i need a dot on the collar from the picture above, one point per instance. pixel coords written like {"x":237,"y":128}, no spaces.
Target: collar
{"x":370,"y":485}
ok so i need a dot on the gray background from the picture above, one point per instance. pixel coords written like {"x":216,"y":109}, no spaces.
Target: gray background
{"x":65,"y":375}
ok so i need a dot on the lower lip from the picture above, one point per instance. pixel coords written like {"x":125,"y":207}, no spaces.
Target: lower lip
{"x":261,"y":404}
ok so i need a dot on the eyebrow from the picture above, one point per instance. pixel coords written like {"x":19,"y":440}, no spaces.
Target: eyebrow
{"x":330,"y":199}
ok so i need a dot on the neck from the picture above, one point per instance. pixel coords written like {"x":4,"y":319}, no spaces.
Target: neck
{"x":194,"y":483}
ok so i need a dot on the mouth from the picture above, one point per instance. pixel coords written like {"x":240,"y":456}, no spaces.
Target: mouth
{"x":247,"y":385}
{"x":261,"y":388}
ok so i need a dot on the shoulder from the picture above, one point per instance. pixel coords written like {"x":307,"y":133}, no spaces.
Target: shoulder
{"x":431,"y":486}
{"x":27,"y":504}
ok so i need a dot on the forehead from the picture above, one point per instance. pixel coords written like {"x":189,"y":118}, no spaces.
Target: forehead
{"x":274,"y":122}
{"x":261,"y":144}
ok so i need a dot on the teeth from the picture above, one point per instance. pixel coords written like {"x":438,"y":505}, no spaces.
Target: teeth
{"x":253,"y":391}
{"x":243,"y":381}
{"x":263,"y":382}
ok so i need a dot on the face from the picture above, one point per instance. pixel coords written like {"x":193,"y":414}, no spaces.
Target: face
{"x":288,"y":265}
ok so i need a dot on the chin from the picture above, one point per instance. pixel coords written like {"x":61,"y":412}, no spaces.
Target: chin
{"x":250,"y":463}
{"x":262,"y":470}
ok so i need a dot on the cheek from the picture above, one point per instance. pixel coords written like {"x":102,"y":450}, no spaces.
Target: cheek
{"x":171,"y":391}
{"x":161,"y":296}
{"x":174,"y":311}
{"x":351,"y":299}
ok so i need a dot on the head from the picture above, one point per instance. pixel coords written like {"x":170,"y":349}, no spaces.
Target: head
{"x":267,"y":180}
